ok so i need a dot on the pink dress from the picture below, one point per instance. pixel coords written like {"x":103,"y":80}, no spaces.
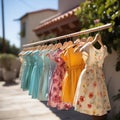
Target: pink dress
{"x":55,"y":92}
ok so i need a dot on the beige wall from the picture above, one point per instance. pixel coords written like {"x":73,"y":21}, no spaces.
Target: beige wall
{"x":37,"y":18}
{"x":112,"y":80}
{"x":65,"y":5}
{"x":24,"y":39}
{"x":33,"y":20}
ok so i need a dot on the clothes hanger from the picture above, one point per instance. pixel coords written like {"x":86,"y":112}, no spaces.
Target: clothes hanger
{"x":83,"y":42}
{"x":80,"y":43}
{"x":98,"y":39}
{"x":71,"y":44}
{"x":54,"y":47}
{"x":36,"y":48}
{"x":68,"y":44}
{"x":49,"y":46}
{"x":59,"y":45}
{"x":64,"y":45}
{"x":27,"y":50}
{"x":23,"y":51}
{"x":44,"y":47}
{"x":84,"y":39}
{"x":90,"y":39}
{"x":40,"y":47}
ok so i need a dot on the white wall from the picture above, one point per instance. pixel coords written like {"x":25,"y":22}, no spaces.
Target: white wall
{"x":112,"y":80}
{"x":33,"y":20}
{"x":24,"y":39}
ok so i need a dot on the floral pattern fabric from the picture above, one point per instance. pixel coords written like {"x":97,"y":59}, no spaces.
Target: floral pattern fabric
{"x":55,"y":92}
{"x":91,"y":94}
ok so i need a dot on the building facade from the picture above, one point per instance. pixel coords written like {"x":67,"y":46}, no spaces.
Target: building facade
{"x":64,"y":22}
{"x":31,"y":20}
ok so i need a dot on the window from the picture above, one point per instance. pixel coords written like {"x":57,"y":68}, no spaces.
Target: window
{"x":23,"y":29}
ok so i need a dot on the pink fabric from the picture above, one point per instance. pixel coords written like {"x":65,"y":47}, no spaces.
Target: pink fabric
{"x":55,"y":92}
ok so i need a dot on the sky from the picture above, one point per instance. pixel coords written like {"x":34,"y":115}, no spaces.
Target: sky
{"x":14,"y":9}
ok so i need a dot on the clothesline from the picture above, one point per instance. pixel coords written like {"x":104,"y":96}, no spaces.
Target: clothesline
{"x":99,"y":28}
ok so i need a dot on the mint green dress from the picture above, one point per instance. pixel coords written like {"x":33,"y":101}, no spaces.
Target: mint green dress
{"x":26,"y":71}
{"x":43,"y":84}
{"x":36,"y":74}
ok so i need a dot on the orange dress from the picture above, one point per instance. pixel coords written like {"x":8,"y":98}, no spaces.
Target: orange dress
{"x":75,"y":64}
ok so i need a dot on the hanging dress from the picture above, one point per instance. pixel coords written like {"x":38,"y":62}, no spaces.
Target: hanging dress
{"x":36,"y":74}
{"x":75,"y":65}
{"x":22,"y":70}
{"x":55,"y":92}
{"x":25,"y":78}
{"x":43,"y":84}
{"x":91,"y":94}
{"x":22,"y":60}
{"x":52,"y":68}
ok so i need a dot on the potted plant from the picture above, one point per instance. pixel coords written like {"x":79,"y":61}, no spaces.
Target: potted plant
{"x":6,"y":64}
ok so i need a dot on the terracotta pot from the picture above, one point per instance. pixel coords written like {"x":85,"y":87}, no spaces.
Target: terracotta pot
{"x":9,"y":76}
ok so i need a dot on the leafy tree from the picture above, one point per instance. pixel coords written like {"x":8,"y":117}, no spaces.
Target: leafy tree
{"x":9,"y":48}
{"x":94,"y":13}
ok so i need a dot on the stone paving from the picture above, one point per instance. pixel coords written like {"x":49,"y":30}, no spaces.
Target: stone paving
{"x":16,"y":104}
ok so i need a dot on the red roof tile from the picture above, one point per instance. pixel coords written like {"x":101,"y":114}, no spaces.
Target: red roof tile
{"x":57,"y":19}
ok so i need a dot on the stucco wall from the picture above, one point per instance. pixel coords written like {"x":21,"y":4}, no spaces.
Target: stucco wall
{"x":112,"y":80}
{"x":24,"y":39}
{"x":33,"y":20}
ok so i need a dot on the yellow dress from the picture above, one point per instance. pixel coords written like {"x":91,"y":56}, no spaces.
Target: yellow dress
{"x":75,"y":64}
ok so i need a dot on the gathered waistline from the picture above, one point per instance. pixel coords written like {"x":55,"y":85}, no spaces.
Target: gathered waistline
{"x":75,"y":67}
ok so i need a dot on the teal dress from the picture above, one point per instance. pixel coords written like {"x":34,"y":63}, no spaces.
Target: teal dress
{"x":26,"y":71}
{"x":36,"y":74}
{"x":30,"y":63}
{"x":43,"y":85}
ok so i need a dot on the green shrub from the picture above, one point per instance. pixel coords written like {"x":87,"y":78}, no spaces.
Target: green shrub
{"x":6,"y":61}
{"x":94,"y":13}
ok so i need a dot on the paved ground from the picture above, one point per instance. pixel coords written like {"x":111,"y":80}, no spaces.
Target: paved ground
{"x":16,"y":104}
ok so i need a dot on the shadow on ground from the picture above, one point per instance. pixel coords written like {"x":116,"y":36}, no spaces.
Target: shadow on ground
{"x":10,"y":83}
{"x":68,"y":114}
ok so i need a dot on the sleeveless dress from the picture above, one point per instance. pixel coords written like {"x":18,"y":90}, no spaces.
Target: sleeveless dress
{"x":91,"y":94}
{"x":75,"y":65}
{"x":36,"y":74}
{"x":22,"y":70}
{"x":55,"y":92}
{"x":25,"y":78}
{"x":52,"y":68}
{"x":43,"y":84}
{"x":22,"y":60}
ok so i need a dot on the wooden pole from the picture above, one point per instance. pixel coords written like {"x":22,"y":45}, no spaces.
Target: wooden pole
{"x":3,"y":28}
{"x":99,"y":28}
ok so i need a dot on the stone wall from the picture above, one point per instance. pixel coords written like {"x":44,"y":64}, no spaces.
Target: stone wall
{"x":112,"y":81}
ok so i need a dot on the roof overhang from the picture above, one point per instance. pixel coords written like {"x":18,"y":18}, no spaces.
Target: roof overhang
{"x":34,"y":12}
{"x":58,"y":21}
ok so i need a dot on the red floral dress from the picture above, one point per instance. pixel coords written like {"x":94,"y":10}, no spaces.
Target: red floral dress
{"x":91,"y":93}
{"x":55,"y":92}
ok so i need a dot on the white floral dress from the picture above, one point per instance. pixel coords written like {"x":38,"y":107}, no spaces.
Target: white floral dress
{"x":91,"y":94}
